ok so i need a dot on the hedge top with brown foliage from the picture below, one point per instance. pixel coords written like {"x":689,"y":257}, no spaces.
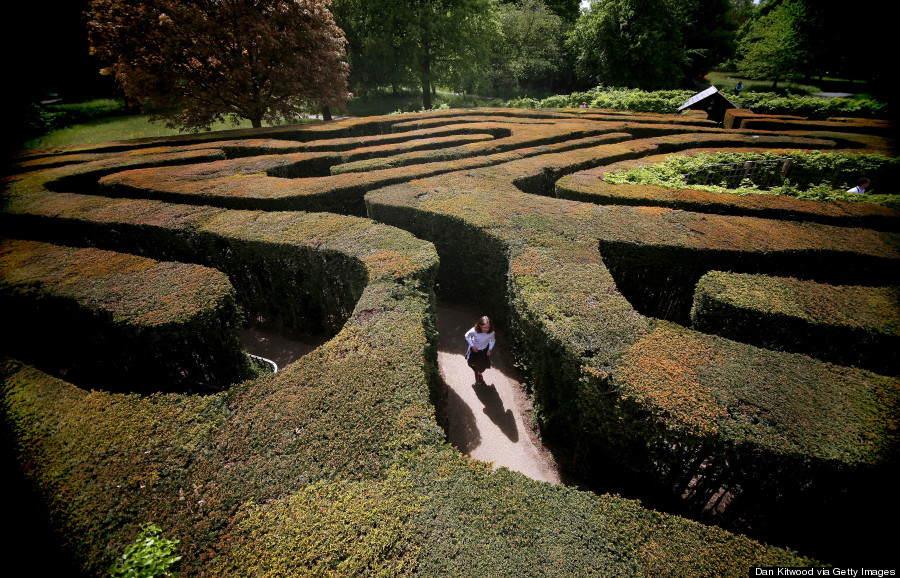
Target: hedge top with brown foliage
{"x":129,"y":289}
{"x":589,"y":186}
{"x":339,"y":455}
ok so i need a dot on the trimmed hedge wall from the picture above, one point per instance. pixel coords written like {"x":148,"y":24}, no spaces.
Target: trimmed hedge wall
{"x":112,"y":320}
{"x":574,"y":329}
{"x":847,"y":325}
{"x":340,"y":455}
{"x":538,"y":176}
{"x":676,"y":248}
{"x":589,"y":186}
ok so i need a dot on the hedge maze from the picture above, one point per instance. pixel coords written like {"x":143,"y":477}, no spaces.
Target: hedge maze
{"x":729,"y":359}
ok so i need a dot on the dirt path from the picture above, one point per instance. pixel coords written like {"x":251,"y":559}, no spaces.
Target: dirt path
{"x":488,"y":422}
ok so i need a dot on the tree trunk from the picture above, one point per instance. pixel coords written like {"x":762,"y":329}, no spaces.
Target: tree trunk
{"x":256,"y":122}
{"x":426,"y":72}
{"x":326,"y":113}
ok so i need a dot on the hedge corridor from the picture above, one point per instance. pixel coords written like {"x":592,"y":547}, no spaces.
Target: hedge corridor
{"x":670,"y":340}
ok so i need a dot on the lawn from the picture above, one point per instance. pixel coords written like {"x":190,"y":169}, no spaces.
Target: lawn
{"x":104,"y":120}
{"x":725,"y":81}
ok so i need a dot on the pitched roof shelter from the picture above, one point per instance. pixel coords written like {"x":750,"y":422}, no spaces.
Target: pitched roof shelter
{"x":712,"y":101}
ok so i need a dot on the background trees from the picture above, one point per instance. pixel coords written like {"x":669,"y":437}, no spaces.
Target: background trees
{"x":415,"y":43}
{"x":773,"y":45}
{"x":529,"y":47}
{"x":197,"y":61}
{"x":629,"y":43}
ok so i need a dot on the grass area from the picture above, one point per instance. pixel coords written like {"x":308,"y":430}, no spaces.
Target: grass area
{"x":105,"y":120}
{"x":113,"y":128}
{"x":725,"y":81}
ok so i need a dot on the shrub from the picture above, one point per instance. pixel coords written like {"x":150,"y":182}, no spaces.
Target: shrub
{"x":150,"y":555}
{"x":812,"y":175}
{"x":847,"y":325}
{"x":810,"y":106}
{"x":112,"y":320}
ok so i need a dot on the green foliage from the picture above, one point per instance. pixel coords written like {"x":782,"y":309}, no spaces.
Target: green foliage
{"x":810,"y":106}
{"x":159,"y":325}
{"x":846,"y":324}
{"x":630,"y":43}
{"x":149,"y":556}
{"x":772,"y":46}
{"x":420,"y":44}
{"x":340,"y":528}
{"x":815,"y":175}
{"x":528,"y":47}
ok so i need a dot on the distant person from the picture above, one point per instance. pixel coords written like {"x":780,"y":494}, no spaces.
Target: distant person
{"x":583,"y":105}
{"x":861,"y":186}
{"x":481,"y":341}
{"x":738,"y":88}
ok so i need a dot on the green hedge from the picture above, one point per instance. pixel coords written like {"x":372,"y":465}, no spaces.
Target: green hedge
{"x":811,"y":106}
{"x":668,"y":101}
{"x":121,"y":322}
{"x":574,"y":327}
{"x":340,"y":454}
{"x":660,"y":180}
{"x":847,"y":325}
{"x":658,"y":274}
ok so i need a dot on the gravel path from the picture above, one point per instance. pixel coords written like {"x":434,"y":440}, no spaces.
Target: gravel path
{"x":490,"y":422}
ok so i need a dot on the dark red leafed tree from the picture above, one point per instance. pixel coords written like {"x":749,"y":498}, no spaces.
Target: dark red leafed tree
{"x":193,"y":62}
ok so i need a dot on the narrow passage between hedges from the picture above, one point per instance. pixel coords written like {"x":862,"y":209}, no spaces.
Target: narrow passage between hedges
{"x":278,"y":344}
{"x":488,"y":422}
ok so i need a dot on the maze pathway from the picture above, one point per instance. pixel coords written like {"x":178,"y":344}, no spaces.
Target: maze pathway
{"x":490,"y":422}
{"x":350,"y":229}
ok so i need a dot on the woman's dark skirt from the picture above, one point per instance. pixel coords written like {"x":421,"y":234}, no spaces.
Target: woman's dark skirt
{"x":479,"y":360}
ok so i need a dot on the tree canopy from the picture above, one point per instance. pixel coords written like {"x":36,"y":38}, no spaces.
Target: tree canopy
{"x":773,"y":45}
{"x":401,"y":43}
{"x":529,"y":46}
{"x":630,"y":43}
{"x":193,"y":62}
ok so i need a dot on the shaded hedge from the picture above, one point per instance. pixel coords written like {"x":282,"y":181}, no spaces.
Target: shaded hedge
{"x":574,"y":329}
{"x":848,"y":325}
{"x":340,"y":453}
{"x":105,"y":319}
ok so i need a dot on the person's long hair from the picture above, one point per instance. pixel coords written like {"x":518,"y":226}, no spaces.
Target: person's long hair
{"x":482,"y":321}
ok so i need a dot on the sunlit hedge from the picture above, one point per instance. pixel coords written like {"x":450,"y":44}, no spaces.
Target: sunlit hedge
{"x":650,"y":181}
{"x":846,"y":324}
{"x":336,"y":464}
{"x":118,"y":321}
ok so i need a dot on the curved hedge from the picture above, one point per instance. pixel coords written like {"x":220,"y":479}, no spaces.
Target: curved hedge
{"x":590,"y":186}
{"x":848,"y":325}
{"x":340,"y":455}
{"x":118,"y":321}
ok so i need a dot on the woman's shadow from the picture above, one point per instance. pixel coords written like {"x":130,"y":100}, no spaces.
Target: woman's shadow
{"x":493,"y":408}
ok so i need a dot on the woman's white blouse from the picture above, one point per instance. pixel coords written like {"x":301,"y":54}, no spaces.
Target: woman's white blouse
{"x":480,"y":340}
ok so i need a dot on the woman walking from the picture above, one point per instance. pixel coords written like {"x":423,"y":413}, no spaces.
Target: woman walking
{"x":481,"y":341}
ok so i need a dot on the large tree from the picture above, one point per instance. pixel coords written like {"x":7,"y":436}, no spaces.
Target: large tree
{"x":197,"y":61}
{"x":774,"y":45}
{"x":529,"y":47}
{"x":708,"y":32}
{"x":629,"y":43}
{"x":404,"y":43}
